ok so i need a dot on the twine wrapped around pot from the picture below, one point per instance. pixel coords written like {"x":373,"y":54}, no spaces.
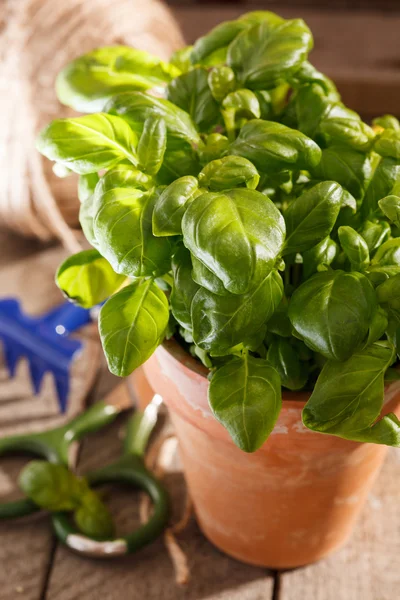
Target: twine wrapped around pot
{"x":37,"y":38}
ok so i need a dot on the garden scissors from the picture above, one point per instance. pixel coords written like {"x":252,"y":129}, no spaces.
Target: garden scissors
{"x":55,"y":446}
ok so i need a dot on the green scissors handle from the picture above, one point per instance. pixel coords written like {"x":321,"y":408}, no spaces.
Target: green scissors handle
{"x":54,"y":445}
{"x":131,"y":470}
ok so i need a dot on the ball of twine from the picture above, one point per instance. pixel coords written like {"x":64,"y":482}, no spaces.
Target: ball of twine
{"x":37,"y":39}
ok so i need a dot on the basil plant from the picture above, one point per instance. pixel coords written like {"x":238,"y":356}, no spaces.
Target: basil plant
{"x":233,"y":201}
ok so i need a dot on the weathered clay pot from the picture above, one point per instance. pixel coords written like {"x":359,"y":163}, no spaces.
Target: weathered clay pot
{"x":290,"y":503}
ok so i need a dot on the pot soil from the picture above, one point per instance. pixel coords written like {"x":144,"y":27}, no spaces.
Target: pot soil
{"x":292,"y":502}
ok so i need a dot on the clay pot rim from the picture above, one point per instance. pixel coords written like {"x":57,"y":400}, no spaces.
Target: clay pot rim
{"x":289,"y":399}
{"x":188,"y":362}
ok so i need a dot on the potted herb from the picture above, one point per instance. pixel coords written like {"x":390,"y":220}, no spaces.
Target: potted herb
{"x":251,"y":219}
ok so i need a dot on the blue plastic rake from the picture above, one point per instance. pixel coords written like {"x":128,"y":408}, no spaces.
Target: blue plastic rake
{"x":43,"y":341}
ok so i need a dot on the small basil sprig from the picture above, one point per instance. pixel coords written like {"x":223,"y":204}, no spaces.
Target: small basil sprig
{"x":55,"y":488}
{"x":255,"y":216}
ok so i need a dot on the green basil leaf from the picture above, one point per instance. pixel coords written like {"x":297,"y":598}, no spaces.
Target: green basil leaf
{"x":217,"y":39}
{"x":215,"y":147}
{"x":180,"y":160}
{"x":211,"y":49}
{"x":245,"y":396}
{"x":122,"y":176}
{"x":242,"y":103}
{"x":388,"y":144}
{"x":234,"y":234}
{"x":93,"y":518}
{"x":307,"y":74}
{"x":229,"y":172}
{"x":345,"y":165}
{"x":269,"y":52}
{"x":90,"y":80}
{"x":273,"y":147}
{"x":385,"y":176}
{"x":378,"y":327}
{"x":87,"y":185}
{"x":388,"y":294}
{"x":123,"y":230}
{"x":388,"y":254}
{"x":374,"y":233}
{"x":339,"y":124}
{"x":311,"y":103}
{"x":266,"y":104}
{"x":355,"y":248}
{"x":319,"y":257}
{"x":387,"y":122}
{"x":132,"y":323}
{"x":184,"y":288}
{"x":332,"y":312}
{"x":181,"y":59}
{"x":88,"y":144}
{"x":191,"y":92}
{"x":87,"y":278}
{"x":348,"y":398}
{"x":86,"y":217}
{"x":378,"y":274}
{"x":390,"y":206}
{"x":152,"y":145}
{"x":284,"y":358}
{"x":206,"y":278}
{"x":171,"y":205}
{"x":222,"y":322}
{"x":311,"y":217}
{"x":136,"y":107}
{"x":51,"y":486}
{"x":260,"y":16}
{"x":393,"y":330}
{"x":221,"y":81}
{"x":279,"y":323}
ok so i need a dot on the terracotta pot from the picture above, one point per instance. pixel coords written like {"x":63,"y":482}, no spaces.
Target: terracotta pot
{"x":290,"y":503}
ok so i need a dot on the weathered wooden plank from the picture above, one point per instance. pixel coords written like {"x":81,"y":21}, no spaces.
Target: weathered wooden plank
{"x":367,"y":568}
{"x":25,"y":547}
{"x":149,"y":574}
{"x":358,"y":50}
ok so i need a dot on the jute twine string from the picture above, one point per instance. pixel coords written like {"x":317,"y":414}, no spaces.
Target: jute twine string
{"x":37,"y":38}
{"x":158,"y":458}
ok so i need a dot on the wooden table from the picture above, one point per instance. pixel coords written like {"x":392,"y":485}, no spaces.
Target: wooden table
{"x":34,"y":566}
